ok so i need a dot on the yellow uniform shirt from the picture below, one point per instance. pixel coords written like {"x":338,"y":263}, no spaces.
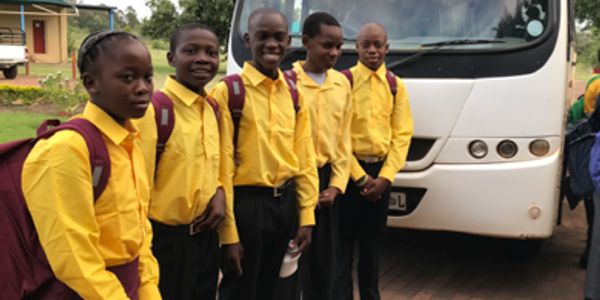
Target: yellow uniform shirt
{"x":274,"y":143}
{"x":81,"y":238}
{"x":381,"y":126}
{"x":330,"y":106}
{"x":187,"y":176}
{"x":591,"y":94}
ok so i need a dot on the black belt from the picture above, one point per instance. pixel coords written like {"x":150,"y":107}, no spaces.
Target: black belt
{"x":187,"y":229}
{"x":275,"y":192}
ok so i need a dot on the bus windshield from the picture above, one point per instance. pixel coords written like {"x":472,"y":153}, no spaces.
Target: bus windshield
{"x":411,"y":24}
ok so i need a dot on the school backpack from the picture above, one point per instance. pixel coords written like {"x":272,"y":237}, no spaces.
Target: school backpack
{"x":25,"y":272}
{"x":237,"y":97}
{"x":579,"y":140}
{"x":165,"y":119}
{"x":389,"y":76}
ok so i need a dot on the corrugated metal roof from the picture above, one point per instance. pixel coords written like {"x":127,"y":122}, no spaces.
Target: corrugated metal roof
{"x":47,"y":2}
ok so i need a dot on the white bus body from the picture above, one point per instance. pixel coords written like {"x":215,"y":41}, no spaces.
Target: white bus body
{"x":515,"y":90}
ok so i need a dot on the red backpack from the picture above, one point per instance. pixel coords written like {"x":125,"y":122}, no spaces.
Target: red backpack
{"x":165,"y":119}
{"x":389,"y":75}
{"x":237,"y":97}
{"x":25,"y":272}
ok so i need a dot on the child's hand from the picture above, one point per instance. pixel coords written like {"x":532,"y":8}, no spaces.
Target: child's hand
{"x":232,"y":257}
{"x":214,"y":213}
{"x":374,"y":191}
{"x":328,"y":196}
{"x":303,"y":238}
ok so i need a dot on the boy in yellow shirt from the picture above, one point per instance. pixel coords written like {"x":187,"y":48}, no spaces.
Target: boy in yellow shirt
{"x":188,"y":203}
{"x":101,"y":249}
{"x":381,"y":131}
{"x":328,"y":96}
{"x":274,"y":171}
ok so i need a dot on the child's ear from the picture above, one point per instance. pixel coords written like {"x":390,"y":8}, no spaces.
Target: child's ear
{"x":247,"y":40}
{"x":89,"y":83}
{"x":304,"y":40}
{"x":289,"y":40}
{"x":170,"y":58}
{"x":387,"y":48}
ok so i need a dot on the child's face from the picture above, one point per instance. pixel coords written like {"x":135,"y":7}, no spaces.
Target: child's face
{"x":372,"y":47}
{"x":120,"y":80}
{"x":268,"y":40}
{"x":324,"y":48}
{"x":196,"y":58}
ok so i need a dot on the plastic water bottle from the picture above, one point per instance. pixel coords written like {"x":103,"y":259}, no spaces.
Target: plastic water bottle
{"x":289,"y":265}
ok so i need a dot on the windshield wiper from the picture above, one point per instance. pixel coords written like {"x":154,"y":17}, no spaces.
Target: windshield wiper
{"x":433,"y":47}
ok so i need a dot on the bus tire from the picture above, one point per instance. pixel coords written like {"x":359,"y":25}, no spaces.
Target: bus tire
{"x":10,"y":73}
{"x":525,"y":249}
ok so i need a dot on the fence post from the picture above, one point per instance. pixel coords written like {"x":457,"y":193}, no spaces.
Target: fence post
{"x":74,"y":65}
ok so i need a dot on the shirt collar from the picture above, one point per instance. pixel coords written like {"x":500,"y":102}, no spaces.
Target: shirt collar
{"x":256,"y":77}
{"x":364,"y":71}
{"x":185,"y":95}
{"x":107,"y":125}
{"x":330,"y":79}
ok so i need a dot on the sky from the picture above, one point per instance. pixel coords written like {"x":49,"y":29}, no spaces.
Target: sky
{"x":139,"y":5}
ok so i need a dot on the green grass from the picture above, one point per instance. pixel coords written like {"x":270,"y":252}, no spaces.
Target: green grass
{"x":20,"y":125}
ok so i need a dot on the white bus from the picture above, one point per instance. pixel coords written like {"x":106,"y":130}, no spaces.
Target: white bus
{"x":488,"y":82}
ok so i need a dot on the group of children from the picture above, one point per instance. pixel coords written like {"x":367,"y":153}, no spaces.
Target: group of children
{"x":267,"y":163}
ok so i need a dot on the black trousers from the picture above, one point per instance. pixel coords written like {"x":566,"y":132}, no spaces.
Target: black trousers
{"x":189,"y":265}
{"x":317,"y":266}
{"x":265,"y":225}
{"x":363,"y":221}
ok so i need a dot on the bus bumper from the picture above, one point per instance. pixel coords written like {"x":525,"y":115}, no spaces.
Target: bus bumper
{"x":512,"y":200}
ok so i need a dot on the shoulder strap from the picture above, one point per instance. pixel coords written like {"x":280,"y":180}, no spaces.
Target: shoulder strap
{"x":391,"y":79}
{"x":237,"y":96}
{"x":165,"y":120}
{"x":99,"y":158}
{"x":215,"y":106}
{"x":291,"y":78}
{"x":348,"y":75}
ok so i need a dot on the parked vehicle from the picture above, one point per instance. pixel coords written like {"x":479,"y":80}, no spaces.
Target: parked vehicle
{"x":12,"y":51}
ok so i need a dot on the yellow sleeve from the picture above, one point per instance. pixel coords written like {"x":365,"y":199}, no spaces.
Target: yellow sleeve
{"x":307,"y":179}
{"x":57,"y":185}
{"x":356,"y":171}
{"x":148,"y":268}
{"x":402,"y":131}
{"x":228,"y":233}
{"x":340,"y":167}
{"x":148,"y":136}
{"x":590,"y":97}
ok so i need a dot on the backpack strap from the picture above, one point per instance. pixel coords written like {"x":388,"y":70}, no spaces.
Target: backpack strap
{"x":215,"y":106}
{"x":165,"y":120}
{"x":348,"y":75}
{"x":237,"y":96}
{"x":391,"y":79}
{"x":99,"y":158}
{"x":291,"y":78}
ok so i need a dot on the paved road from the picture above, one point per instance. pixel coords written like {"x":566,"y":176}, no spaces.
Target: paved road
{"x":437,"y":265}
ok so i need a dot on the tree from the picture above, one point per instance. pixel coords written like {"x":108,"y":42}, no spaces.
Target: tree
{"x":130,"y":17}
{"x":588,"y":10}
{"x":163,"y":21}
{"x":213,"y":13}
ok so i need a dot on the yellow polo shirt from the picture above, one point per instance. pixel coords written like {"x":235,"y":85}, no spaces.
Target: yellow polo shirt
{"x":81,"y":238}
{"x":187,"y":176}
{"x":591,"y":94}
{"x":381,"y":126}
{"x":330,"y":106}
{"x":274,"y":143}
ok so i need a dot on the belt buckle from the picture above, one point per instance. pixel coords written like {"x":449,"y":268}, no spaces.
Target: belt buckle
{"x":371,"y":159}
{"x":278,"y":191}
{"x":194,"y":228}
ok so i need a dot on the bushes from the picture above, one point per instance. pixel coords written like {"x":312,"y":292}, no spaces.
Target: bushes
{"x":55,"y":89}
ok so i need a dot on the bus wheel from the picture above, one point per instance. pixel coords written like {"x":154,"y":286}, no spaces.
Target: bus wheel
{"x":525,"y":249}
{"x":10,"y":73}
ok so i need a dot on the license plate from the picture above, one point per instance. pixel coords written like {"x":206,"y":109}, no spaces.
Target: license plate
{"x":398,"y":201}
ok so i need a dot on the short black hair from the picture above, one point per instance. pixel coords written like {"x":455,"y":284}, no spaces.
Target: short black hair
{"x":179,"y":30}
{"x":312,"y":24}
{"x":265,"y":10}
{"x":96,"y":43}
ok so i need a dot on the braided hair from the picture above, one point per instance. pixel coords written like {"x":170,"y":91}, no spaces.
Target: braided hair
{"x":97,"y":43}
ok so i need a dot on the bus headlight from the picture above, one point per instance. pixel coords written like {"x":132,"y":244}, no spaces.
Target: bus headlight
{"x":478,"y":149}
{"x":539,"y":147}
{"x":507,"y":149}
